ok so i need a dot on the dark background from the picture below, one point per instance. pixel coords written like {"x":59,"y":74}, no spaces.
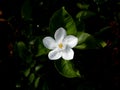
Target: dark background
{"x":99,"y":67}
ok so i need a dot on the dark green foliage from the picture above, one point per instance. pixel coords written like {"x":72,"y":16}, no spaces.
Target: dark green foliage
{"x":24,"y":63}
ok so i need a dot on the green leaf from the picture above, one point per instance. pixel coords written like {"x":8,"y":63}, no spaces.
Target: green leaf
{"x":36,"y":82}
{"x":84,"y":15}
{"x":86,"y":41}
{"x":66,"y":68}
{"x":83,"y":6}
{"x":32,"y":64}
{"x":62,"y":18}
{"x":103,"y":30}
{"x":82,"y":36}
{"x":31,"y":77}
{"x":38,"y":67}
{"x":23,"y":52}
{"x":26,"y":10}
{"x":27,"y":72}
{"x":21,"y":47}
{"x":101,"y":43}
{"x":45,"y":86}
{"x":41,"y":49}
{"x":80,"y":26}
{"x":28,"y":58}
{"x":27,"y":31}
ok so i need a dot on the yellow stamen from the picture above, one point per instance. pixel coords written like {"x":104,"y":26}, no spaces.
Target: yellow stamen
{"x":60,"y":45}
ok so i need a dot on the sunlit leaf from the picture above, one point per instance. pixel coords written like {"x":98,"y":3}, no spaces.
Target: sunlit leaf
{"x":66,"y":68}
{"x":62,"y":18}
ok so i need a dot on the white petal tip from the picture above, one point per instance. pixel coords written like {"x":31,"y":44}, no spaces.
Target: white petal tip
{"x":49,"y":42}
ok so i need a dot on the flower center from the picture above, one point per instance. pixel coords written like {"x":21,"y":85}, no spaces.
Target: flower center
{"x":60,"y":45}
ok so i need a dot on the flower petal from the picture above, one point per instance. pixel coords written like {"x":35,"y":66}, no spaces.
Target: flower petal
{"x":71,"y":41}
{"x":68,"y":54}
{"x":49,"y":43}
{"x":54,"y":54}
{"x":60,"y":34}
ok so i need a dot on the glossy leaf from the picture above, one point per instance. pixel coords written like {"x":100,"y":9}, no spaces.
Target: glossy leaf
{"x":86,"y":41}
{"x":82,"y":36}
{"x":62,"y":18}
{"x":66,"y":68}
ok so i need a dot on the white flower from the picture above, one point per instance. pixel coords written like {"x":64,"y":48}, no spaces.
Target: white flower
{"x":61,"y":46}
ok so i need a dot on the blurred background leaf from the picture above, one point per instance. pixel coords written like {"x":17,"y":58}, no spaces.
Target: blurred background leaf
{"x":37,"y":82}
{"x":84,"y":15}
{"x":26,"y":10}
{"x":83,"y":6}
{"x":21,"y":49}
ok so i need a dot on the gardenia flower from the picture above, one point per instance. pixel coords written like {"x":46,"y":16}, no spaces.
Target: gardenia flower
{"x":61,"y":46}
